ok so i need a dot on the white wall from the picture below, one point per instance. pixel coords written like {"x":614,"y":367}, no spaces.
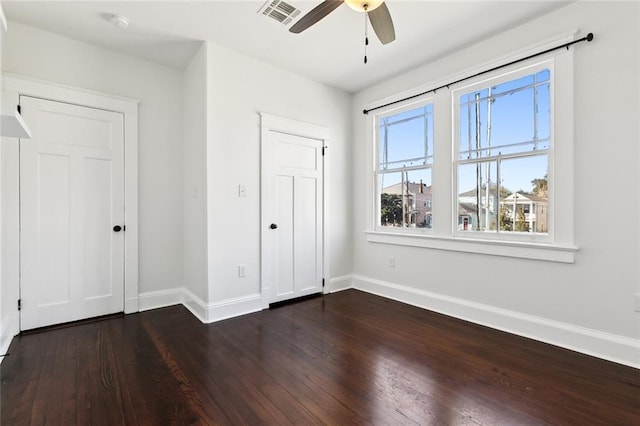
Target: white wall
{"x":38,"y":54}
{"x":241,"y":88}
{"x":194,"y":230}
{"x":195,"y":175}
{"x":4,"y":338}
{"x":588,"y":305}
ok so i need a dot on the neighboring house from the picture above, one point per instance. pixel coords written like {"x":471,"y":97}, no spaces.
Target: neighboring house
{"x":529,"y":208}
{"x":468,"y":212}
{"x":467,"y":216}
{"x":532,"y":207}
{"x":416,"y":203}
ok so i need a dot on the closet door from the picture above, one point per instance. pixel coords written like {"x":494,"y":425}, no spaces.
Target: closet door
{"x":71,"y":213}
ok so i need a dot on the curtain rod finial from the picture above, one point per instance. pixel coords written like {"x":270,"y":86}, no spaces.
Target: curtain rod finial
{"x":589,"y":36}
{"x":365,"y":112}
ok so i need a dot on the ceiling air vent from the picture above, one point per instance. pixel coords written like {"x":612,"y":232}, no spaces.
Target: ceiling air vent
{"x":279,"y":10}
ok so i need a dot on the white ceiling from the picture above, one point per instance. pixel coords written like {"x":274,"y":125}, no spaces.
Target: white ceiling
{"x":331,"y":52}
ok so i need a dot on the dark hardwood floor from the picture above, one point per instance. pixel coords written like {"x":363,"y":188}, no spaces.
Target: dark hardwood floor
{"x":346,"y":358}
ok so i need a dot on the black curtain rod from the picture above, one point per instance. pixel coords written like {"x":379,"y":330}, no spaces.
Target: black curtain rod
{"x":588,"y":37}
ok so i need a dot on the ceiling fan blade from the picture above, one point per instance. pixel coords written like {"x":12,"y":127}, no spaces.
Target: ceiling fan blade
{"x":382,"y":24}
{"x":314,"y":15}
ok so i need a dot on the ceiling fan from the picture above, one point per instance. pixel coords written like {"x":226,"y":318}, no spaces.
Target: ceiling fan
{"x":376,"y":10}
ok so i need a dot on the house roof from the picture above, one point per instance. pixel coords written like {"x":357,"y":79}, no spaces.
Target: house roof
{"x":414,"y":188}
{"x":492,"y":191}
{"x":467,"y":208}
{"x":525,"y":197}
{"x":472,"y":192}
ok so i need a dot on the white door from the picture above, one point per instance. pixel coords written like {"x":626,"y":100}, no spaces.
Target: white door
{"x":293,"y":216}
{"x":71,"y":199}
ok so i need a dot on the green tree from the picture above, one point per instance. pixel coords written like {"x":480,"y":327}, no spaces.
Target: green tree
{"x":390,"y":209}
{"x":505,"y":219}
{"x":521,"y":223}
{"x":540,"y":186}
{"x":504,"y":192}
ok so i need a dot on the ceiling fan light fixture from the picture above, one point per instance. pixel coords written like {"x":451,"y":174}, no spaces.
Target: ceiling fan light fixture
{"x":363,"y":5}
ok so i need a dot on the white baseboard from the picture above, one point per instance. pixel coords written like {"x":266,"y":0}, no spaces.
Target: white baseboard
{"x":340,"y":283}
{"x":194,"y":304}
{"x":159,"y":299}
{"x":230,"y":308}
{"x":131,"y":305}
{"x":205,"y":312}
{"x":619,"y":349}
{"x":10,"y":328}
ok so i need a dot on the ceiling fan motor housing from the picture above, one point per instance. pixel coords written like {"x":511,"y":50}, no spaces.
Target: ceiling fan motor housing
{"x":363,"y":5}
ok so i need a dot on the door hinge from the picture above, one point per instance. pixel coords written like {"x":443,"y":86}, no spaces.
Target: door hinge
{"x":323,"y":149}
{"x":19,"y":304}
{"x":323,"y":283}
{"x":19,"y":109}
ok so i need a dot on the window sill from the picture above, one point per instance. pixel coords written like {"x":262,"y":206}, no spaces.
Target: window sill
{"x":523,"y":250}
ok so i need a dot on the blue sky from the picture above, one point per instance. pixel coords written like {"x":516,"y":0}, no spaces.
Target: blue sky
{"x":514,"y":120}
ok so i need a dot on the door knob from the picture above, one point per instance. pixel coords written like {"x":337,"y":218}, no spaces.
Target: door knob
{"x":117,"y":228}
{"x":274,"y":226}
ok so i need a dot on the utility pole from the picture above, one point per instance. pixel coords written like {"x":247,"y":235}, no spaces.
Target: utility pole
{"x":488,"y":191}
{"x":478,"y":164}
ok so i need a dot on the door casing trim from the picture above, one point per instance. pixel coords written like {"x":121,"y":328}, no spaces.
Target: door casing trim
{"x":15,"y":85}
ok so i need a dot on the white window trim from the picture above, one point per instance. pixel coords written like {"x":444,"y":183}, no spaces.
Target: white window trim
{"x":512,"y":73}
{"x":415,"y":103}
{"x":442,"y":237}
{"x":524,"y":250}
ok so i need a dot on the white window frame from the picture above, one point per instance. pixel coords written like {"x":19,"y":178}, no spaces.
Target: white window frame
{"x":376,"y":153}
{"x":560,"y":246}
{"x":513,"y":73}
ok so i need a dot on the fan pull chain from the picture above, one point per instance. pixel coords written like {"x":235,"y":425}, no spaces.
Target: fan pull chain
{"x":366,"y":32}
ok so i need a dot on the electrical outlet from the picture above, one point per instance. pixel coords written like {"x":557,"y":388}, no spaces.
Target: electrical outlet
{"x":242,"y":271}
{"x":392,"y":262}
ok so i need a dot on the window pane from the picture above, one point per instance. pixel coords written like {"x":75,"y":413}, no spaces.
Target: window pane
{"x":390,"y":190}
{"x":525,"y":180}
{"x":477,"y":196}
{"x":511,"y":117}
{"x":543,"y":115}
{"x":406,"y":139}
{"x":405,"y":199}
{"x":508,"y":87}
{"x":418,"y":199}
{"x":523,"y":189}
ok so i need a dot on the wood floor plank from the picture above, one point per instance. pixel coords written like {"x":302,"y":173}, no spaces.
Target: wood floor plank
{"x":345,"y":358}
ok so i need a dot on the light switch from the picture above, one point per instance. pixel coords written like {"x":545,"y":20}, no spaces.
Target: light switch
{"x":242,"y":191}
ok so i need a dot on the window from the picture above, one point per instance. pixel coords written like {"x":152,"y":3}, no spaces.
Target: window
{"x":485,"y":167}
{"x":503,"y":144}
{"x":404,"y":141}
